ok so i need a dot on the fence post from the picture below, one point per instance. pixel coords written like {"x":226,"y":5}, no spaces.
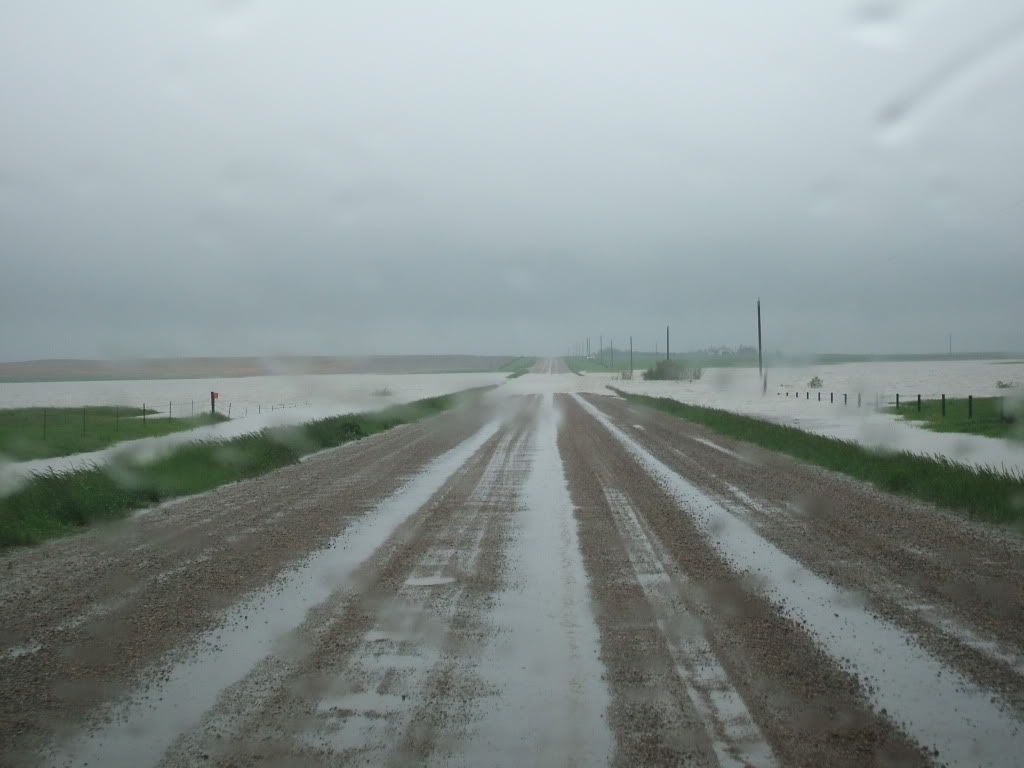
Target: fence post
{"x":170,"y":409}
{"x":143,"y":414}
{"x":918,"y":403}
{"x":229,"y":410}
{"x":831,"y":397}
{"x":970,"y":406}
{"x":808,"y":396}
{"x":858,"y":399}
{"x":943,"y":405}
{"x":897,"y":401}
{"x":844,"y":398}
{"x":819,"y":397}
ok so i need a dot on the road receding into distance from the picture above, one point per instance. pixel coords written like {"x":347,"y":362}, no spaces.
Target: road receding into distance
{"x":549,"y":577}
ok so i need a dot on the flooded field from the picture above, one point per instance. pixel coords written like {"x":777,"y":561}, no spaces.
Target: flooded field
{"x":325,"y":393}
{"x":738,"y":390}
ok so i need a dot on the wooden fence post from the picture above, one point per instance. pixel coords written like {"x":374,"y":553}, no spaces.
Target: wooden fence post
{"x":970,"y":406}
{"x":943,"y":405}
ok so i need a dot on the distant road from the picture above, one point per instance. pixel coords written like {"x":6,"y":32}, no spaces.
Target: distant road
{"x":544,"y":579}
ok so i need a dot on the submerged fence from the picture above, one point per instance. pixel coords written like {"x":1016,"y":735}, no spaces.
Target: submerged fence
{"x":952,"y":407}
{"x":116,"y":418}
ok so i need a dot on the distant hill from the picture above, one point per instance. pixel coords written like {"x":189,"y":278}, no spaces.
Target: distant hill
{"x":226,"y":367}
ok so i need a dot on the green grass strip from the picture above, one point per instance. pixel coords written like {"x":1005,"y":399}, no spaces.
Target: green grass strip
{"x":43,"y":433}
{"x":54,"y":504}
{"x":988,"y":416}
{"x":981,"y":493}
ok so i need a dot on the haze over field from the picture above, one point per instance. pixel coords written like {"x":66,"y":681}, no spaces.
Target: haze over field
{"x":260,"y":178}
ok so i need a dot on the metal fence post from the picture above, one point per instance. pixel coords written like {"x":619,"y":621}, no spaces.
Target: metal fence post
{"x":970,"y":406}
{"x":943,"y":405}
{"x":918,"y":403}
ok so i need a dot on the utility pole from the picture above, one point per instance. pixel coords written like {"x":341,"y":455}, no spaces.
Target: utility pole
{"x":611,"y":344}
{"x":588,"y":346}
{"x":760,"y":367}
{"x":600,"y":348}
{"x":951,"y":345}
{"x":668,"y":356}
{"x":630,"y":357}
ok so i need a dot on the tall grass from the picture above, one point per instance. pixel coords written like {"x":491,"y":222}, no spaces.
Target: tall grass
{"x":52,"y":504}
{"x":982,"y":493}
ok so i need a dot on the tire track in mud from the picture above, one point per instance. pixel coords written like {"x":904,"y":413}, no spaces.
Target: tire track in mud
{"x":380,"y":669}
{"x":810,"y":710}
{"x":957,"y":586}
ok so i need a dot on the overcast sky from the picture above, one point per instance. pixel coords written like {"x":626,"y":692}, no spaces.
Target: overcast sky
{"x":219,"y":178}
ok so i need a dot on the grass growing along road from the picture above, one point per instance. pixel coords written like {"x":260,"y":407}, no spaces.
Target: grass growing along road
{"x":43,"y":433}
{"x":992,"y":416}
{"x":981,"y":493}
{"x":53,"y":504}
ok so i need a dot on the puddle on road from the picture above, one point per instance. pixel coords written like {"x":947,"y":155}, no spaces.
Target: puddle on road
{"x":141,"y":729}
{"x":429,"y":581}
{"x":544,"y":660}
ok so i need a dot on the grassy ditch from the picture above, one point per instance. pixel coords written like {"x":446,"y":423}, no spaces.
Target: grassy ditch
{"x":983,"y":494}
{"x":42,"y":433}
{"x":53,"y":504}
{"x":991,"y":416}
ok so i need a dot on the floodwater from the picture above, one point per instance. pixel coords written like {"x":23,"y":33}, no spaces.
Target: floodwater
{"x":738,"y":390}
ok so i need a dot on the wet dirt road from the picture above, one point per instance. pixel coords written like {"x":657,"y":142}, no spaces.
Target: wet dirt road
{"x":554,"y":577}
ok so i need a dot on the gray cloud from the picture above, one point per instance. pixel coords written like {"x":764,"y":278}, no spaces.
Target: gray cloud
{"x":319,"y":177}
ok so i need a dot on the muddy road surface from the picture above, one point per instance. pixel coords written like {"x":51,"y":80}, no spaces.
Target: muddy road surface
{"x":551,"y":577}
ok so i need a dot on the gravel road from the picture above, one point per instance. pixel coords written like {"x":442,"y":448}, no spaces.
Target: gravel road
{"x":544,"y":578}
